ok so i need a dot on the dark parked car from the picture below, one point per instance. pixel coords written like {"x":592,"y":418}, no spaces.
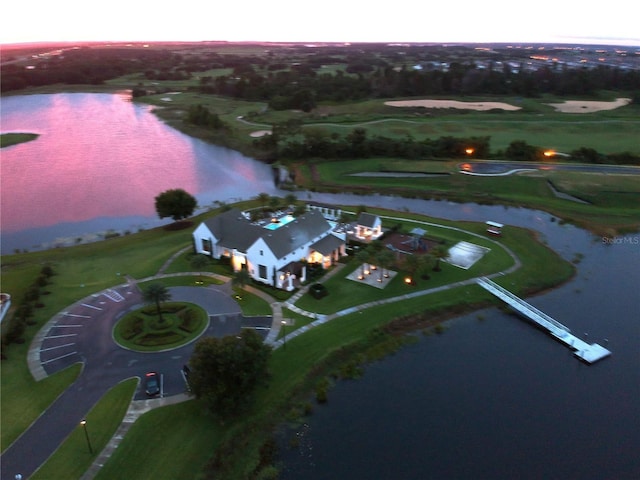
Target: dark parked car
{"x":152,"y":384}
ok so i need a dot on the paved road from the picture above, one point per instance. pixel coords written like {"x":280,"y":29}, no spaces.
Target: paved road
{"x":83,"y":333}
{"x":503,"y":168}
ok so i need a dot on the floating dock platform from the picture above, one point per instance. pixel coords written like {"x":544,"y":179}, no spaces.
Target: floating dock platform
{"x":589,"y":353}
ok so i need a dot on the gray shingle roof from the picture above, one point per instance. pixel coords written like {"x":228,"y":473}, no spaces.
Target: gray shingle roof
{"x":327,"y":244}
{"x":295,"y":234}
{"x":233,"y":230}
{"x":367,"y":220}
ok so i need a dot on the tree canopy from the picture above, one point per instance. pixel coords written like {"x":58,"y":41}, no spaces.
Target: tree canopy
{"x":226,"y":371}
{"x":175,"y":203}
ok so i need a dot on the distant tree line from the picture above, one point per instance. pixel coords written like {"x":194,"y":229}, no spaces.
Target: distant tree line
{"x":293,"y":78}
{"x":290,"y":141}
{"x":84,"y":66}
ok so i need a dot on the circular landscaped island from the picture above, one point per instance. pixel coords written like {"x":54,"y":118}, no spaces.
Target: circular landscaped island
{"x":147,"y":330}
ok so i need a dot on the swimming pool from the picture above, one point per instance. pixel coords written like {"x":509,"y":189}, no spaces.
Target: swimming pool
{"x":281,"y":221}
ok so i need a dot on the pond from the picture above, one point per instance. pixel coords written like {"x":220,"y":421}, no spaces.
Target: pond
{"x":98,"y":164}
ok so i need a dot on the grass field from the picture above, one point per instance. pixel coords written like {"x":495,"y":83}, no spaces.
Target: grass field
{"x":9,"y":139}
{"x":73,"y":458}
{"x":614,"y":199}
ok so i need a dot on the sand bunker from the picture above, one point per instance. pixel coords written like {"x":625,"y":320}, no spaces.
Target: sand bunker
{"x":481,"y":106}
{"x":260,"y":133}
{"x":580,"y":106}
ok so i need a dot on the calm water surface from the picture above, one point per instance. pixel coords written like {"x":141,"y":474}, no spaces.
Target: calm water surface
{"x":98,"y":164}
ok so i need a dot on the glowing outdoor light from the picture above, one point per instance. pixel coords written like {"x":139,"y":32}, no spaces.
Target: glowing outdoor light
{"x":549,"y":153}
{"x":469,"y":151}
{"x":284,"y":334}
{"x":86,"y":434}
{"x":408,"y":280}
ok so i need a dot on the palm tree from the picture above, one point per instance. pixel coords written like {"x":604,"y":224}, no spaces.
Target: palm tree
{"x":263,"y":198}
{"x":410,"y":265}
{"x":274,"y":202}
{"x":290,"y":199}
{"x":385,"y":259}
{"x":241,"y":278}
{"x":439,"y":253}
{"x":157,"y":293}
{"x":362,"y":257}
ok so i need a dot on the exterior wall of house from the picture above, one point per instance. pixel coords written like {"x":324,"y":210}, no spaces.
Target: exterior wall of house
{"x":260,"y":255}
{"x":201,"y":235}
{"x":372,"y":232}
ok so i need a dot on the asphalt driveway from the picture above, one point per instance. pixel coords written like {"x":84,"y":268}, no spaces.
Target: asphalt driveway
{"x":83,"y":333}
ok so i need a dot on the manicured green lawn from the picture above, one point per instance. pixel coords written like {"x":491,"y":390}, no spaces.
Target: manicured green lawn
{"x":251,"y":305}
{"x":73,"y":458}
{"x":172,"y":442}
{"x":345,"y":293}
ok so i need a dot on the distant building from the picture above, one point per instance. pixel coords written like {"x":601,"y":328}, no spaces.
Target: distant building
{"x":273,"y":252}
{"x":330,"y":212}
{"x":368,"y":227}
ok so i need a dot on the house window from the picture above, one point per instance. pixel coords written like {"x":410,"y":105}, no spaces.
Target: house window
{"x":206,"y":245}
{"x":261,"y":253}
{"x":262,"y":271}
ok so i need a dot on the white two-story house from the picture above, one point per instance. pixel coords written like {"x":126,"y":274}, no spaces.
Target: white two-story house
{"x":274,"y":253}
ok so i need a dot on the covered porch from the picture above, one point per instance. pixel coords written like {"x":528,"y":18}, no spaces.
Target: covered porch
{"x":327,"y":251}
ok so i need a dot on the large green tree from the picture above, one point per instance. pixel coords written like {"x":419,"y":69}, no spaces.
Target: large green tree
{"x":175,"y":203}
{"x":226,"y":371}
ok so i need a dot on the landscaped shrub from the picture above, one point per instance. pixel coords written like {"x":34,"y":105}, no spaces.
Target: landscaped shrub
{"x":318,"y":291}
{"x":132,"y":328}
{"x":189,"y":320}
{"x":322,"y":389}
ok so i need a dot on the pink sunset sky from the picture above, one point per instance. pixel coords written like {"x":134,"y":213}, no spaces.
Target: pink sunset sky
{"x":613,"y":22}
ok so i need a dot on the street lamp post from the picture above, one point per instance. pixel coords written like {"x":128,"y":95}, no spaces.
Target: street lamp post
{"x":284,"y":334}
{"x":86,"y":434}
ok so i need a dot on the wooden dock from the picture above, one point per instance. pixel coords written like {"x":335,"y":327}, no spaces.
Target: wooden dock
{"x":589,"y":353}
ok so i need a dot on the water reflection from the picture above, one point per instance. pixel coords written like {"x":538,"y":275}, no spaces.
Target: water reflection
{"x":100,"y":156}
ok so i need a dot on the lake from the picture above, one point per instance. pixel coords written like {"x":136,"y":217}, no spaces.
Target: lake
{"x":491,"y":398}
{"x":97,"y":166}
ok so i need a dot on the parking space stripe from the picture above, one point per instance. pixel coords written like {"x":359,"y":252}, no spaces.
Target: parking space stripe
{"x":56,"y":347}
{"x":90,"y":306}
{"x":76,"y":315}
{"x":61,"y":336}
{"x":58,"y":358}
{"x":67,"y":326}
